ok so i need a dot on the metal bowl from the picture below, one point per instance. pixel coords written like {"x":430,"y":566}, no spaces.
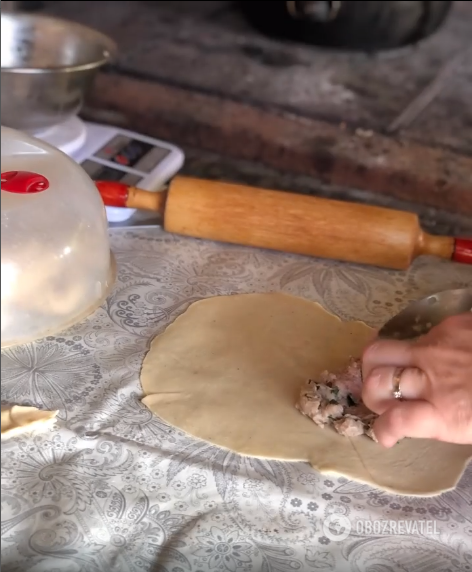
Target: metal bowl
{"x":48,"y":65}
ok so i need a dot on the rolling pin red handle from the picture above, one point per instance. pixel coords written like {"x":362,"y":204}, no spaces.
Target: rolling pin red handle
{"x":120,"y":195}
{"x":113,"y":194}
{"x":462,"y":250}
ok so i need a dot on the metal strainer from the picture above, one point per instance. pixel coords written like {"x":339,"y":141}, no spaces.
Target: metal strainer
{"x":48,"y":65}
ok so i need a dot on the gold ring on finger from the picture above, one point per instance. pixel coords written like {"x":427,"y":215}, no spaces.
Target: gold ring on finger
{"x":397,"y":375}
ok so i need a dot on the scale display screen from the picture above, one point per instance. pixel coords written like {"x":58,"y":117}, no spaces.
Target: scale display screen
{"x":132,"y":153}
{"x":99,"y":172}
{"x":107,"y":153}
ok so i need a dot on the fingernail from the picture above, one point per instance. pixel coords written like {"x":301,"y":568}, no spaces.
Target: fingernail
{"x":385,"y":441}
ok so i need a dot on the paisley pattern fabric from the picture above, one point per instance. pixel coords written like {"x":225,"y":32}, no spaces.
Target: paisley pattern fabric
{"x":111,"y":488}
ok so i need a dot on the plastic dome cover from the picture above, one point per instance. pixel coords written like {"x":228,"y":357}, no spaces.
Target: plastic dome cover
{"x":57,"y":267}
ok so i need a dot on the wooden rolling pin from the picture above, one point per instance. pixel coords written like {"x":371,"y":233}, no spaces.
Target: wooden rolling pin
{"x":289,"y":222}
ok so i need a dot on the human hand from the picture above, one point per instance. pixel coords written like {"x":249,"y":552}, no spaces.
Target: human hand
{"x":436,"y":384}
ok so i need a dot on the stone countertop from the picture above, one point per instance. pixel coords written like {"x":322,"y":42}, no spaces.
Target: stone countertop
{"x":197,"y":74}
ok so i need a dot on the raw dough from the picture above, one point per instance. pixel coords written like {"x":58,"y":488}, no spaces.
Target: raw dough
{"x":18,"y":418}
{"x":229,"y":371}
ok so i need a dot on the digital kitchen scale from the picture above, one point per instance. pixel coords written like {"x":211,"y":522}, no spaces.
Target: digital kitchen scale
{"x":113,"y":154}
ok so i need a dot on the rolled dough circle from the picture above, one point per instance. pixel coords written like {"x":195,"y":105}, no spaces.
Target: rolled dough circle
{"x":229,"y":371}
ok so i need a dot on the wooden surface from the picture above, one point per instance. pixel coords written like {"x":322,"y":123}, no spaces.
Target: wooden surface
{"x":196,"y":73}
{"x":208,"y":47}
{"x":401,"y":169}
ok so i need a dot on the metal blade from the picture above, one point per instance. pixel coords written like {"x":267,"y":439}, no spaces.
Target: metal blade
{"x":420,"y":316}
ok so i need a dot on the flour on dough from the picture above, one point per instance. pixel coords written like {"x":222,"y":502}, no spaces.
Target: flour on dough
{"x":229,"y":371}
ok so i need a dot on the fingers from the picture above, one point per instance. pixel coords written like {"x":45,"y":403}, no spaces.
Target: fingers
{"x":418,"y":419}
{"x":378,"y":387}
{"x":454,"y":323}
{"x":387,"y":353}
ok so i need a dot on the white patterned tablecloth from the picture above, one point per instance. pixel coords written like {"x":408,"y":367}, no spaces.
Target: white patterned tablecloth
{"x":111,"y":488}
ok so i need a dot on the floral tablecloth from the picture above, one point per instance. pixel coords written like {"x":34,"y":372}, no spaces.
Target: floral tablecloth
{"x":109,"y":487}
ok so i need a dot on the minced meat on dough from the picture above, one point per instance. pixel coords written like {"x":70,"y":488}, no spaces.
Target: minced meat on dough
{"x":335,"y":400}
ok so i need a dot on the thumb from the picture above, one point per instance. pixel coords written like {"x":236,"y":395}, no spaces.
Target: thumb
{"x":418,"y":419}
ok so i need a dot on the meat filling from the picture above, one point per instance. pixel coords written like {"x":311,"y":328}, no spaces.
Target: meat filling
{"x":335,"y":400}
